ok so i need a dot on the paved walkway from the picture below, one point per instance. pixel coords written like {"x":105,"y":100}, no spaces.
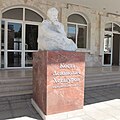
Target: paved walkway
{"x":101,"y":103}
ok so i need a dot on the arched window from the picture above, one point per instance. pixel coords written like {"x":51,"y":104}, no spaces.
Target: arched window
{"x":19,"y":34}
{"x":17,"y":14}
{"x":108,"y":27}
{"x":77,"y":30}
{"x":112,"y":27}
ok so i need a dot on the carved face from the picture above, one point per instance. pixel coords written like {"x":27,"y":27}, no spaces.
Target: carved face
{"x":53,"y":14}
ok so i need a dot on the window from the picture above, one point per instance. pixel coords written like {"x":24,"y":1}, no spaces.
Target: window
{"x":112,"y":27}
{"x":77,"y":30}
{"x":16,"y":13}
{"x":32,"y":16}
{"x":108,"y":27}
{"x":116,"y":28}
{"x":19,"y":34}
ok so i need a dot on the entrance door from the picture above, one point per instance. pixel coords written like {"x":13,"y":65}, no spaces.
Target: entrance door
{"x":116,"y":49}
{"x":19,"y":34}
{"x":111,"y":54}
{"x":107,"y":56}
{"x":19,"y":44}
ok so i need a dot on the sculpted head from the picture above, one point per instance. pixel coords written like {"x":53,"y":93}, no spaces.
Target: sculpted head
{"x":52,"y":14}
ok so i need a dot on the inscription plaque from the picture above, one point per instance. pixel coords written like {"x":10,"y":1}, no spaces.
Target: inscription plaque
{"x":64,"y":80}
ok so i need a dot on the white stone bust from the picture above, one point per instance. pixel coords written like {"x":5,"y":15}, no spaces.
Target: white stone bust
{"x":52,"y":34}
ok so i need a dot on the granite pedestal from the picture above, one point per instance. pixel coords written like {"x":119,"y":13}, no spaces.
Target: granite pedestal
{"x":58,"y":83}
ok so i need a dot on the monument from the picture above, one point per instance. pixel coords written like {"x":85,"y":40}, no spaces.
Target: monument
{"x":58,"y":73}
{"x":52,"y":34}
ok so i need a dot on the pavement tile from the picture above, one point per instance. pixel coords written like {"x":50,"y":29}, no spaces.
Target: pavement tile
{"x":2,"y":99}
{"x":87,"y":96}
{"x":101,"y":99}
{"x":90,"y":100}
{"x":19,"y":105}
{"x":22,"y":112}
{"x":4,"y":107}
{"x":37,"y":116}
{"x":5,"y":115}
{"x":86,"y":117}
{"x":95,"y":94}
{"x":77,"y":118}
{"x":114,"y":103}
{"x":98,"y":115}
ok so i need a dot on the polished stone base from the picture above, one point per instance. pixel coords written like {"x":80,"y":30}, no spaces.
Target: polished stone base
{"x":59,"y":116}
{"x":58,"y":81}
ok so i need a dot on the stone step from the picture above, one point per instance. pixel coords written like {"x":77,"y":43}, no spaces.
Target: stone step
{"x":87,"y":85}
{"x":14,"y":93}
{"x":16,"y":81}
{"x":102,"y":80}
{"x":15,"y":87}
{"x":90,"y":84}
{"x":102,"y":74}
{"x":7,"y":74}
{"x":108,"y":78}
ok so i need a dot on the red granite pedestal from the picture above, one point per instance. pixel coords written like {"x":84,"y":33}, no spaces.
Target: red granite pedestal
{"x":58,"y":82}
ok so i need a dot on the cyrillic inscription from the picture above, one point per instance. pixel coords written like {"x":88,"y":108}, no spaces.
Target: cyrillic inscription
{"x":63,"y":79}
{"x":66,"y":80}
{"x":67,"y":66}
{"x":66,"y":73}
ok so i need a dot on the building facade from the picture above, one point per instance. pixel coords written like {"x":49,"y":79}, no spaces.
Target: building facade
{"x":97,"y":33}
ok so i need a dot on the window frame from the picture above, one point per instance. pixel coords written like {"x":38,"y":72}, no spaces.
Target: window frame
{"x":110,"y":33}
{"x":23,"y":22}
{"x":79,"y":24}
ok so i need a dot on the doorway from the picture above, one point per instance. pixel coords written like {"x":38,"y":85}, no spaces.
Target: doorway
{"x":19,"y":34}
{"x":19,"y":44}
{"x":111,"y":51}
{"x":116,"y":49}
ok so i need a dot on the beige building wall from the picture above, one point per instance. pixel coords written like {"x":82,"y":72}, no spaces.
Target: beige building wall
{"x":96,"y":23}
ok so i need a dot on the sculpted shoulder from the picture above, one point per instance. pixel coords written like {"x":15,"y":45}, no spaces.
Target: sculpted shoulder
{"x":46,"y":22}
